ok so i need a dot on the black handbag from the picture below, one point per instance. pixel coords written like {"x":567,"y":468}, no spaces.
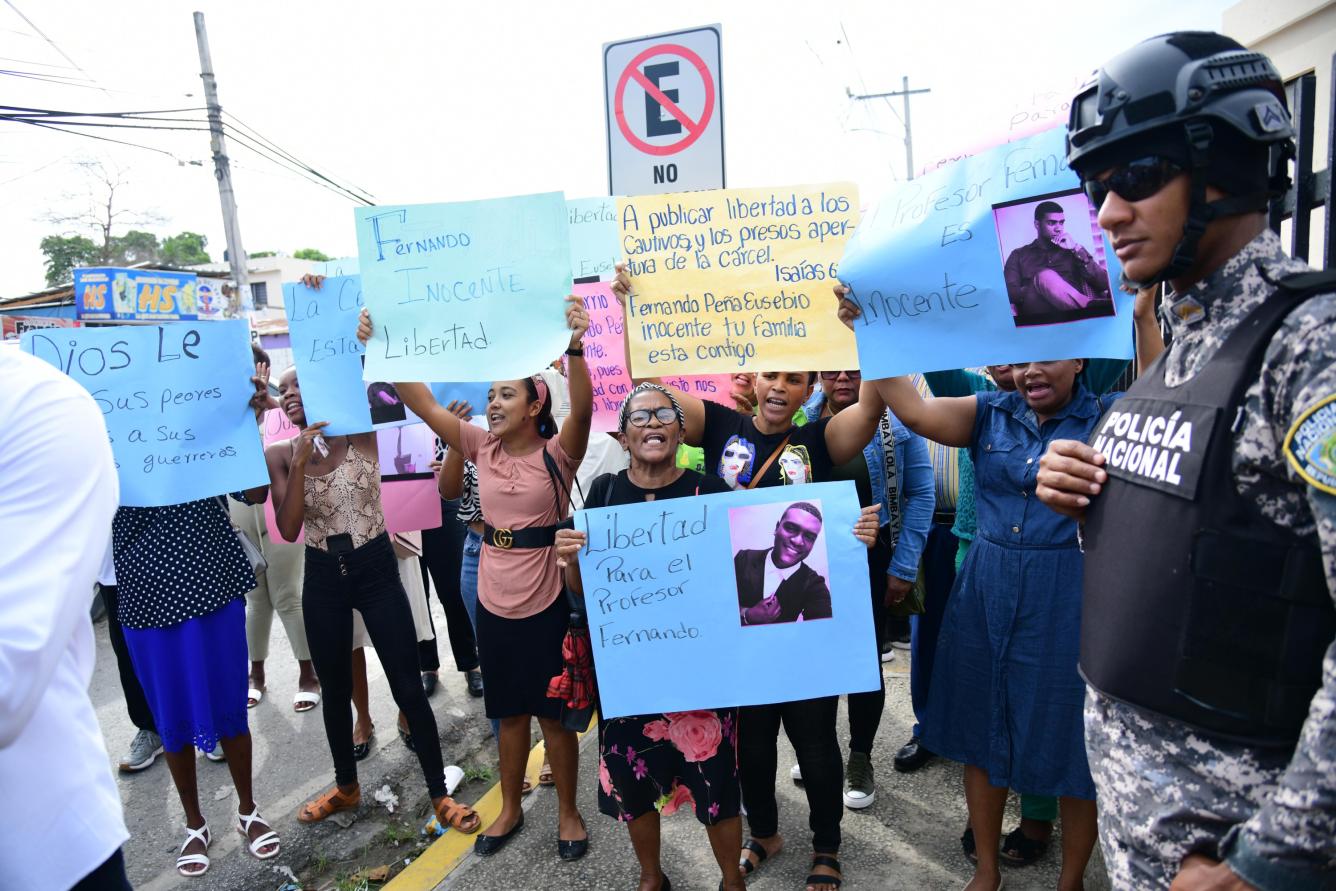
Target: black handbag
{"x":576,"y":646}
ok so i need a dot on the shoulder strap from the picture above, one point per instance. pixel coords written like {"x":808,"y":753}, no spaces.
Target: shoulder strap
{"x":756,"y":477}
{"x":1317,"y":281}
{"x":559,"y":487}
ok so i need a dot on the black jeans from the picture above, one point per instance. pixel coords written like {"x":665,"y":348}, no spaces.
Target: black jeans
{"x":939,"y":576}
{"x":865,"y":708}
{"x":442,"y":555}
{"x":810,"y":725}
{"x":366,"y":579}
{"x":110,"y":876}
{"x":135,"y":702}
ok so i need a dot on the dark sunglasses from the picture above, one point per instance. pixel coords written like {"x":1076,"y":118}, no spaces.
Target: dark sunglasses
{"x":1133,"y":181}
{"x":640,"y":417}
{"x":834,"y":375}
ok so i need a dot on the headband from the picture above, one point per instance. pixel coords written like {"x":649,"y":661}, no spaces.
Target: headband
{"x":540,"y":386}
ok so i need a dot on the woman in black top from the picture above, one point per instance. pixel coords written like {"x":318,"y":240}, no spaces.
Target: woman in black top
{"x":809,"y":724}
{"x":663,"y":776}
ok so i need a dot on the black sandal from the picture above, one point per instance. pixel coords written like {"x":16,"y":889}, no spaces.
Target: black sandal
{"x":747,"y":866}
{"x":1018,"y":849}
{"x":831,"y":863}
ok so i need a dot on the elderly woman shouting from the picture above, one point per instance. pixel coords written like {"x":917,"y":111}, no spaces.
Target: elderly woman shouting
{"x":652,"y":764}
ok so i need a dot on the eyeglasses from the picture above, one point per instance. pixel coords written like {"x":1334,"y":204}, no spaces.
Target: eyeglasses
{"x":1133,"y":181}
{"x":640,"y":417}
{"x":834,"y":375}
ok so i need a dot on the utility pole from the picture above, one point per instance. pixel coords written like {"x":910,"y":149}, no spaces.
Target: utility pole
{"x":909,"y":133}
{"x":222,"y":169}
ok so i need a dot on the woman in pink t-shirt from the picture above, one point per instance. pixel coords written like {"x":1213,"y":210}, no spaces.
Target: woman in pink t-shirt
{"x":525,"y":469}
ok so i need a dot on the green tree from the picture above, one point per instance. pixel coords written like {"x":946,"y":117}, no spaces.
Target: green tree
{"x":63,"y":253}
{"x":311,"y":254}
{"x":258,"y":254}
{"x":185,"y":249}
{"x":132,"y":248}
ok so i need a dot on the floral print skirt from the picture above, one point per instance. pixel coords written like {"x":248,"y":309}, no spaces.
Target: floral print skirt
{"x":663,"y":762}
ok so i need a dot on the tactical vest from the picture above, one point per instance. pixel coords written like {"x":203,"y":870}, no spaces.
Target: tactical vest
{"x":1196,"y":607}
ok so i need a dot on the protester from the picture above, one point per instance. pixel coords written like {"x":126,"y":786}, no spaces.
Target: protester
{"x":184,"y":620}
{"x":1213,"y":740}
{"x":277,"y":590}
{"x":893,"y":473}
{"x":1028,"y":842}
{"x":1005,"y":696}
{"x":650,"y":428}
{"x":809,"y":723}
{"x":62,"y":826}
{"x":333,"y":491}
{"x":524,"y":474}
{"x":441,"y":559}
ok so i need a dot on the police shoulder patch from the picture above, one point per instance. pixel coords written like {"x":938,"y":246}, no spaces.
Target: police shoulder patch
{"x":1310,"y":445}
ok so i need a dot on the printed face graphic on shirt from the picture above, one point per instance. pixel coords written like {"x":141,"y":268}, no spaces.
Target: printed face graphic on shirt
{"x":795,"y":465}
{"x":737,"y":461}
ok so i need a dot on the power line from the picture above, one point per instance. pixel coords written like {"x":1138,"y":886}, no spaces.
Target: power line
{"x":64,"y":55}
{"x":366,"y":196}
{"x":47,"y":126}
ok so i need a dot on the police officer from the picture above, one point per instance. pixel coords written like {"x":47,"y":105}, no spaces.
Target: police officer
{"x":1208,"y":493}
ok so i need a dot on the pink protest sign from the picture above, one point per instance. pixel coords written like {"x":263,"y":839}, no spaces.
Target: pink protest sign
{"x":409,"y":505}
{"x":605,"y":352}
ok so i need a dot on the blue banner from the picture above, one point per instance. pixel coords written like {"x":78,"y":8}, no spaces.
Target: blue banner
{"x":175,"y":399}
{"x":681,"y":615}
{"x":995,"y":259}
{"x":596,"y":237}
{"x":110,"y":293}
{"x":470,"y":291}
{"x":322,"y":325}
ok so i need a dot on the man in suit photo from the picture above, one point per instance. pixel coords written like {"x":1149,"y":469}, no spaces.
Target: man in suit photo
{"x":775,"y":584}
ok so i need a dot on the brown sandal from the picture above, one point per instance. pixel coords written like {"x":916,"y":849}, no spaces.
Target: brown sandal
{"x":545,"y":777}
{"x":332,"y":802}
{"x":459,"y":816}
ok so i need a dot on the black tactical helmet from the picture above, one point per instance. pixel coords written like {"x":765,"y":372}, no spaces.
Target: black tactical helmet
{"x":1204,"y":101}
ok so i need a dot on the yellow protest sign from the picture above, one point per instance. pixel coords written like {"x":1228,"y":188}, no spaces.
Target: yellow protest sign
{"x":734,"y":279}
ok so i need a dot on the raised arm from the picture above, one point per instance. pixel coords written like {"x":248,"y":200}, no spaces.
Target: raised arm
{"x":417,"y":396}
{"x":693,"y":409}
{"x":946,"y":420}
{"x":849,"y":432}
{"x":575,"y":432}
{"x":287,"y":477}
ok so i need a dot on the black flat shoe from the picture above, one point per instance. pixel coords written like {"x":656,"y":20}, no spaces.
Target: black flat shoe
{"x":429,"y":680}
{"x":574,"y":850}
{"x":408,"y":739}
{"x":362,"y":749}
{"x":487,"y":845}
{"x":473,"y":677}
{"x":912,"y":756}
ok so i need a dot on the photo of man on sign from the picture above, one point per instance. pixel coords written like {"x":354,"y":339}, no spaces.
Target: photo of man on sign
{"x":1059,"y":276}
{"x":785,"y":582}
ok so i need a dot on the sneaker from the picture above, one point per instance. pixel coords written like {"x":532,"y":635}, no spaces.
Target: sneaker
{"x":860,"y":790}
{"x":888,"y":655}
{"x":144,"y":750}
{"x":217,"y":754}
{"x":901,"y":642}
{"x":796,"y":774}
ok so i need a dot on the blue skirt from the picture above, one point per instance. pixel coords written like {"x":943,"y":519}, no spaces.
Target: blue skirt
{"x":194,"y":677}
{"x":1005,"y":694}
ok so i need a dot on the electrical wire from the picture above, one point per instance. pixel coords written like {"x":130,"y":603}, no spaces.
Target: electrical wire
{"x":367,"y":197}
{"x":64,"y":55}
{"x":47,"y":126}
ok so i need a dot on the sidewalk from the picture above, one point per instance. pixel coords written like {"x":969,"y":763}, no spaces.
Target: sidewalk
{"x":910,"y":838}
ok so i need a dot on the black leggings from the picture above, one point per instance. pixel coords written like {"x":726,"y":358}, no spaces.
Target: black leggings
{"x":366,"y":579}
{"x":810,"y":725}
{"x":135,"y":702}
{"x":865,"y":708}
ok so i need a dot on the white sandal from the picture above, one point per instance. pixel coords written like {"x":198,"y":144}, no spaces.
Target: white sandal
{"x":202,"y":834}
{"x":268,"y":838}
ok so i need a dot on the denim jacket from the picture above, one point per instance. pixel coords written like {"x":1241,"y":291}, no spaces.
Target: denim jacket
{"x":916,"y":487}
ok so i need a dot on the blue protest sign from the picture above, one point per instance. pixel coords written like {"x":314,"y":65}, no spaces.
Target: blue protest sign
{"x":679,"y":617}
{"x":469,"y":291}
{"x":322,"y":325}
{"x":595,"y":237}
{"x":995,"y":259}
{"x":107,"y":292}
{"x":174,"y":398}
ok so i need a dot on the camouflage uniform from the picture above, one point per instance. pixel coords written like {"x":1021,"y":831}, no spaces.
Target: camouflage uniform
{"x":1166,"y":790}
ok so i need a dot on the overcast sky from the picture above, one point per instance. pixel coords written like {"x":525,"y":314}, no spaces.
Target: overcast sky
{"x":417,"y":102}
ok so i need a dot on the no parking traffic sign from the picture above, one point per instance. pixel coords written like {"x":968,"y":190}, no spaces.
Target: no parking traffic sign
{"x":665,"y":112}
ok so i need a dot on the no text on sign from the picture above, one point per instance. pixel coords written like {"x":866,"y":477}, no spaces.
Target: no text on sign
{"x":664,"y":112}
